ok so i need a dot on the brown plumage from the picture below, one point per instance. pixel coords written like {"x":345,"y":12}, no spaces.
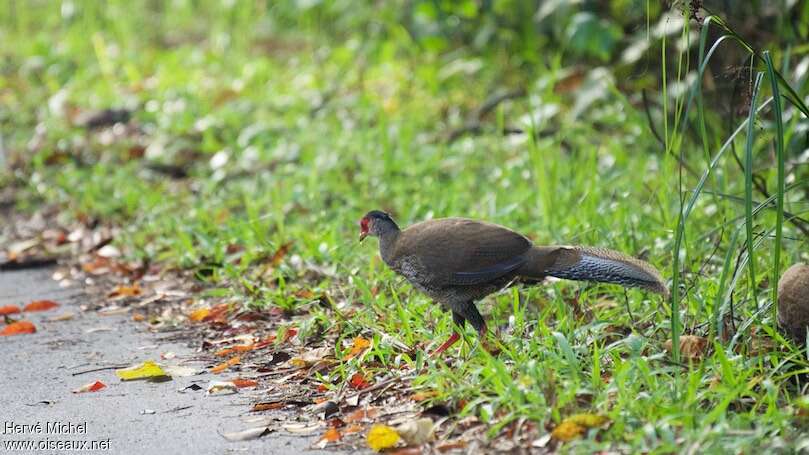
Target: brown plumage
{"x":457,"y":261}
{"x":793,"y":302}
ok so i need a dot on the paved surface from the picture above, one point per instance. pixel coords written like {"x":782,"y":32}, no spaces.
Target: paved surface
{"x":36,"y":380}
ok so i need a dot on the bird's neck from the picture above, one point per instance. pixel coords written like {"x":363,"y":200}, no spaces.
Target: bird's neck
{"x":387,"y":243}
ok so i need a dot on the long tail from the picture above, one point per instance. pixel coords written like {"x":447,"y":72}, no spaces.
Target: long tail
{"x":585,"y":263}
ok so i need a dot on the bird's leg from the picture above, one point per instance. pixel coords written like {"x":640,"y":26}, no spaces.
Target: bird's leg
{"x":470,"y":312}
{"x":458,"y":321}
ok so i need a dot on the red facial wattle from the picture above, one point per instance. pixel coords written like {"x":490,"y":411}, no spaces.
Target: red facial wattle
{"x":363,"y":228}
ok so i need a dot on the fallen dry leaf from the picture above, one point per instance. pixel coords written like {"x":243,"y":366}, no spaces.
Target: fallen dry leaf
{"x":40,"y":305}
{"x":235,"y":349}
{"x":291,"y":332}
{"x":358,"y":382}
{"x":691,"y":346}
{"x":9,"y":309}
{"x":221,"y":388}
{"x":268,"y":406}
{"x":145,"y":370}
{"x":304,"y":294}
{"x":18,"y":328}
{"x":122,"y":291}
{"x":235,"y":360}
{"x":575,"y":426}
{"x":406,"y":451}
{"x":180,"y":371}
{"x":242,"y":383}
{"x":301,"y":428}
{"x":245,"y":435}
{"x":217,"y":313}
{"x":362,"y":414}
{"x":98,"y":266}
{"x":359,"y":345}
{"x":199,"y":314}
{"x":108,"y":251}
{"x":280,"y":253}
{"x":421,"y":396}
{"x":62,"y":317}
{"x":381,"y":437}
{"x":331,"y":435}
{"x":91,"y":387}
{"x":416,"y":432}
{"x":311,"y":357}
{"x":451,"y":445}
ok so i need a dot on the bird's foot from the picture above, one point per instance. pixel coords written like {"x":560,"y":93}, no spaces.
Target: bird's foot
{"x":450,"y":341}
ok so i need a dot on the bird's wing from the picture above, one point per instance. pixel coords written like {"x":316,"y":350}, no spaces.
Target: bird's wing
{"x":458,"y":251}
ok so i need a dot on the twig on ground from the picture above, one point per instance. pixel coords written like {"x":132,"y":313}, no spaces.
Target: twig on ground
{"x":112,"y":367}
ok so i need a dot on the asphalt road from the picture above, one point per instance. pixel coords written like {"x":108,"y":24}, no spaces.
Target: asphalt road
{"x":36,"y":380}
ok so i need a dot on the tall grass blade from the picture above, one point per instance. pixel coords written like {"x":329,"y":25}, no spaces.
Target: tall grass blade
{"x":779,"y":202}
{"x":748,"y":186}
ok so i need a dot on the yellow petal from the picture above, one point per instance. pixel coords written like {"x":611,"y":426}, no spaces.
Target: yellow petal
{"x":382,"y":437}
{"x":145,"y":370}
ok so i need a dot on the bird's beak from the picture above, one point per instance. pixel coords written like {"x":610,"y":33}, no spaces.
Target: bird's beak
{"x":363,"y":235}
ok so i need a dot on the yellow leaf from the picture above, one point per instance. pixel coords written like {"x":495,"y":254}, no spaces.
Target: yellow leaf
{"x":575,"y":426}
{"x":145,"y":370}
{"x":199,"y":315}
{"x":588,"y":420}
{"x":382,"y":437}
{"x":567,"y":431}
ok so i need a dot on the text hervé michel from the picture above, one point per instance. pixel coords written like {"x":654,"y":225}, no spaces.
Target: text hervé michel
{"x":53,"y":427}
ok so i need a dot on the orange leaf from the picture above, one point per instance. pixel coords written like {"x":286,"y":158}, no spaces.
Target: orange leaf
{"x":332,"y":435}
{"x":125,"y":291}
{"x":98,"y":266}
{"x":234,"y":349}
{"x":41,"y":305}
{"x":199,"y":314}
{"x":91,"y":387}
{"x":351,"y":429}
{"x":362,"y":414}
{"x":305,"y":294}
{"x":242,"y":383}
{"x":421,"y":396}
{"x":9,"y":309}
{"x":225,"y":365}
{"x":265,"y":342}
{"x":217,"y":313}
{"x":358,"y":382}
{"x":268,"y":406}
{"x":18,"y":328}
{"x":280,"y":254}
{"x":359,"y":345}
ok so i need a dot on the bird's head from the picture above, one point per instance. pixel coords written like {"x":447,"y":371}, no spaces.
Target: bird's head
{"x":376,"y":223}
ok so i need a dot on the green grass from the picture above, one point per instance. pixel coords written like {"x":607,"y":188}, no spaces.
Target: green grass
{"x":211,"y":81}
